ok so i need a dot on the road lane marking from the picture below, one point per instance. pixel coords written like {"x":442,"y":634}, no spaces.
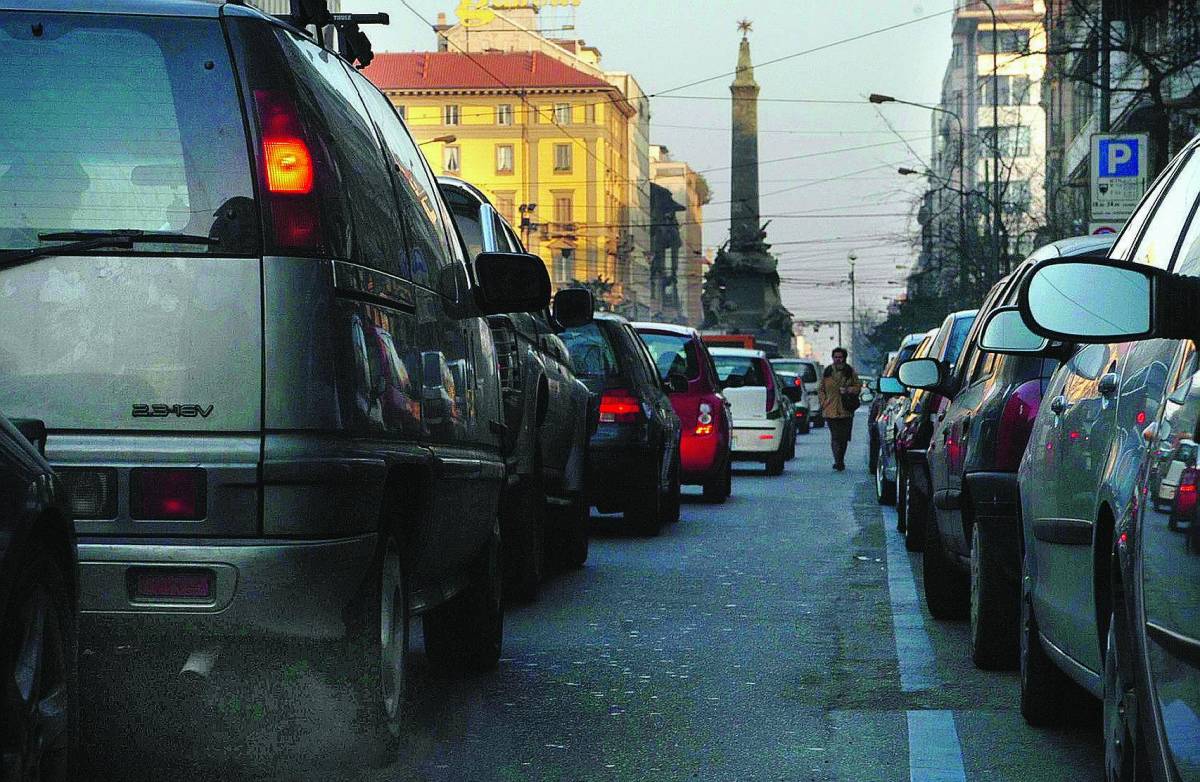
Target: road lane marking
{"x":914,"y":651}
{"x":934,"y":754}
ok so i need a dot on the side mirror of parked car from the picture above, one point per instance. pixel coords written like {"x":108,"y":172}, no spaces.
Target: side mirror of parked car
{"x":32,"y":430}
{"x":889,"y":385}
{"x":1104,"y":300}
{"x":676,"y":383}
{"x":573,"y":307}
{"x":926,"y":373}
{"x":1005,"y":331}
{"x":511,"y":282}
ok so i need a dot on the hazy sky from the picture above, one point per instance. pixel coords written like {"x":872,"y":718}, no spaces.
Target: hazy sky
{"x":666,"y":43}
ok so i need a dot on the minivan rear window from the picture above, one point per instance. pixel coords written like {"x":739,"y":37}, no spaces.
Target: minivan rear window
{"x":672,"y":353}
{"x":122,"y":122}
{"x":592,"y":354}
{"x":750,"y":369}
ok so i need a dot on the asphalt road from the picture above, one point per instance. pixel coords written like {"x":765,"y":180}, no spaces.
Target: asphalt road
{"x":755,"y":640}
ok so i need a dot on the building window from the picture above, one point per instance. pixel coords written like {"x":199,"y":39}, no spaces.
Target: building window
{"x":564,"y":265}
{"x":564,"y":211}
{"x":1010,"y":90}
{"x":504,"y":114}
{"x":450,"y":114}
{"x":562,"y":113}
{"x":956,"y":54}
{"x":504,"y":205}
{"x":504,"y":158}
{"x":402,"y":111}
{"x":1016,"y":196}
{"x":1015,"y":140}
{"x":589,"y":113}
{"x":451,"y":160}
{"x":562,"y":158}
{"x":1005,"y":42}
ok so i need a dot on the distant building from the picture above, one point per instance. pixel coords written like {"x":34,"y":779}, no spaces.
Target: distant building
{"x":680,"y":297}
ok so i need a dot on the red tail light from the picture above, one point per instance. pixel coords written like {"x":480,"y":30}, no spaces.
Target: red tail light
{"x":618,"y":406}
{"x":770,"y":376}
{"x":1185,"y":495}
{"x":288,"y":172}
{"x":704,"y":420}
{"x":1016,"y":423}
{"x":797,"y":382}
{"x":168,"y":494}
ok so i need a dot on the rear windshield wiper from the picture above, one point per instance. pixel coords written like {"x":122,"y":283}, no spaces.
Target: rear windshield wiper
{"x":81,"y":241}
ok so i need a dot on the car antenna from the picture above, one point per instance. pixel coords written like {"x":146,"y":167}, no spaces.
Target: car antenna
{"x":352,"y":43}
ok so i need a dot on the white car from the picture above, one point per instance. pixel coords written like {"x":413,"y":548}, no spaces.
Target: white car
{"x":808,"y":370}
{"x":756,"y":405}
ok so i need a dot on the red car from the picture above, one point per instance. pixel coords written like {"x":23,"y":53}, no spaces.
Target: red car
{"x":704,"y":450}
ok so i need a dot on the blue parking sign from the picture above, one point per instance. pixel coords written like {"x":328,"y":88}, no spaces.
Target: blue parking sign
{"x":1119,"y":157}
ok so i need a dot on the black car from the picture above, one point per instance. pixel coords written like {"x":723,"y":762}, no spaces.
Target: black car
{"x":39,"y":635}
{"x":633,"y":460}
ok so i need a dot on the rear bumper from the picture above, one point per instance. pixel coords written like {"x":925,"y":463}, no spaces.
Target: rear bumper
{"x":995,"y":506}
{"x":292,"y":588}
{"x":757,"y":439}
{"x":618,"y":468}
{"x":701,"y":458}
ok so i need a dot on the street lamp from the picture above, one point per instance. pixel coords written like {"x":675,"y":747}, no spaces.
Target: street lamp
{"x":877,"y":99}
{"x":435,"y":139}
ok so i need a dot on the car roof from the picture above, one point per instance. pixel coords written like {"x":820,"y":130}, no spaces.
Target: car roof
{"x":794,"y":358}
{"x":1073,"y":245}
{"x":912,"y":339}
{"x":738,"y":352}
{"x":202,"y":8}
{"x":609,"y":317}
{"x":667,"y":328}
{"x":465,"y":186}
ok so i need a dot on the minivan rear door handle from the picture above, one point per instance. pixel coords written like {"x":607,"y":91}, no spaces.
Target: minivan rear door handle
{"x":1059,"y":404}
{"x":1109,"y":383}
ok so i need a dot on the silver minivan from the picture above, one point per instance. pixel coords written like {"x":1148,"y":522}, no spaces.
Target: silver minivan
{"x":232,"y":292}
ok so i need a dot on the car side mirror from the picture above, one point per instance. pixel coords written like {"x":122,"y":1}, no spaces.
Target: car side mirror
{"x":924,"y":373}
{"x":573,"y":307}
{"x":889,"y":385}
{"x":32,"y":430}
{"x":676,"y":383}
{"x":1005,"y":332}
{"x":1102,"y":300}
{"x":511,"y":282}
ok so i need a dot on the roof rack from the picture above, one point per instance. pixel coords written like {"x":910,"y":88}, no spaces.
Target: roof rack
{"x":352,"y":43}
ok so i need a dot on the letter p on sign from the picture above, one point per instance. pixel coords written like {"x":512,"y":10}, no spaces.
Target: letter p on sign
{"x":1119,"y":157}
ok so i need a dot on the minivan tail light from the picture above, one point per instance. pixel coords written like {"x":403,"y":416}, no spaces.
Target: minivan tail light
{"x":1016,"y":424}
{"x":167,"y":494}
{"x":288,"y":172}
{"x":1185,"y":495}
{"x":619,"y":406}
{"x":91,"y":493}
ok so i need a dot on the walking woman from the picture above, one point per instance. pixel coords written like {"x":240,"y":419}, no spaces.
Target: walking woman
{"x":839,"y":392}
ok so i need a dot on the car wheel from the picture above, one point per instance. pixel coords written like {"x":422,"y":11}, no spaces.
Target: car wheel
{"x":524,"y":535}
{"x":379,"y":640}
{"x":644,"y":511}
{"x":901,"y":498}
{"x":994,"y":605}
{"x":673,"y":505}
{"x":946,"y":589}
{"x":885,"y":490}
{"x":40,"y":715}
{"x":466,"y":632}
{"x":1125,"y":757}
{"x":776,"y":463}
{"x":718,"y":489}
{"x":804,"y":427}
{"x":571,"y":537}
{"x":916,"y":516}
{"x":1043,"y":685}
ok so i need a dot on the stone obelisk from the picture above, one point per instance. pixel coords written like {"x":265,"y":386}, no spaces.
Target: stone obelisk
{"x":741,"y":290}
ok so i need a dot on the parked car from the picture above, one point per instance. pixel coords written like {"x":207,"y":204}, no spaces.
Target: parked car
{"x":809,"y":371}
{"x":707,"y":427}
{"x":885,"y":429}
{"x":793,"y":389}
{"x":39,"y":609}
{"x":226,"y":233}
{"x":634,"y":460}
{"x":1111,"y":585}
{"x":971,"y":562}
{"x":889,"y":387}
{"x":760,"y":425}
{"x":789,"y":417}
{"x":548,"y":412}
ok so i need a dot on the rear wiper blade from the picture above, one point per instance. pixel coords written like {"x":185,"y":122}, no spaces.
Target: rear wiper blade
{"x":81,"y":241}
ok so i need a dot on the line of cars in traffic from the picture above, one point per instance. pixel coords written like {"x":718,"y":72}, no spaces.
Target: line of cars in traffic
{"x":1055,"y":494}
{"x":270,"y":378}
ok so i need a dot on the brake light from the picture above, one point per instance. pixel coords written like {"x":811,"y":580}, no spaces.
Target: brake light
{"x":770,"y":376}
{"x":766,"y":437}
{"x":797,"y":382}
{"x":1016,"y":424}
{"x":171,"y":494}
{"x":1141,"y":417}
{"x":1185,"y":495}
{"x":288,"y":172}
{"x":703,"y":430}
{"x":618,"y":406}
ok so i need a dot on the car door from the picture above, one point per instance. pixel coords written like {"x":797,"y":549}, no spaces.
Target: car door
{"x":665,"y":421}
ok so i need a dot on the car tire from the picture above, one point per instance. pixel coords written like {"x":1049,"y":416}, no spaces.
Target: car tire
{"x":1043,"y":685}
{"x":885,"y":490}
{"x":916,"y":516}
{"x":644,"y":513}
{"x":466,"y":632}
{"x":524,"y":534}
{"x":776,"y":463}
{"x":570,"y":538}
{"x":946,"y":589}
{"x":994,"y":605}
{"x":1125,"y":755}
{"x":819,"y":422}
{"x":901,"y":497}
{"x":40,"y":596}
{"x":673,"y":504}
{"x":804,"y":427}
{"x":718,"y":489}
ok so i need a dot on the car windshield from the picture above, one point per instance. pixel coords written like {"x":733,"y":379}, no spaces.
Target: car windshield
{"x":748,"y":368}
{"x":592,"y":354}
{"x":672,"y":354}
{"x":122,"y":123}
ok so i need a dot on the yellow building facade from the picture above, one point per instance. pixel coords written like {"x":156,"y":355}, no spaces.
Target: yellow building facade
{"x":547,"y":143}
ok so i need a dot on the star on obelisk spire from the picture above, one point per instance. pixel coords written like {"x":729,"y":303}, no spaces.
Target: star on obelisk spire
{"x":745,"y":26}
